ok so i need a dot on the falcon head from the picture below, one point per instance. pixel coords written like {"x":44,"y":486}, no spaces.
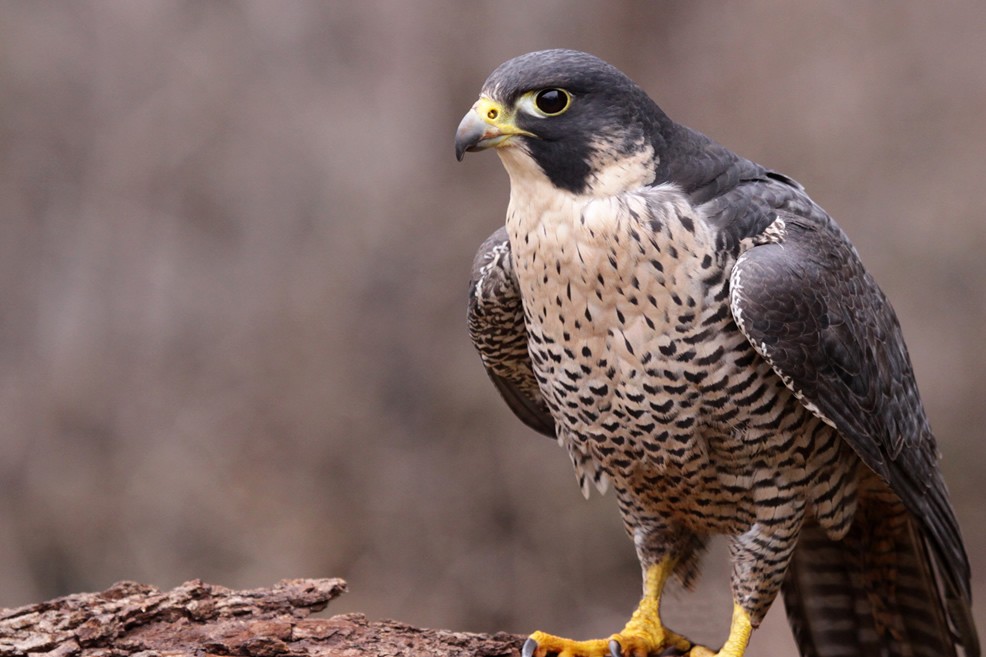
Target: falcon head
{"x":570,"y":116}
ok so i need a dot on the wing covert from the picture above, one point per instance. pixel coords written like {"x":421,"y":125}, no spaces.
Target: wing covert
{"x":495,"y":319}
{"x":802,"y":297}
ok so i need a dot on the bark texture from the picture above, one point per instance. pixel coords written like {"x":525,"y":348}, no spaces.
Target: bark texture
{"x":202,"y":619}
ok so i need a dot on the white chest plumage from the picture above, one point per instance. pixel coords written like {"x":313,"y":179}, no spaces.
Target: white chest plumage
{"x":607,"y":291}
{"x":634,"y":347}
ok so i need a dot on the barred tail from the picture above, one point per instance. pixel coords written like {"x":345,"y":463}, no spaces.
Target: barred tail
{"x":874,"y":593}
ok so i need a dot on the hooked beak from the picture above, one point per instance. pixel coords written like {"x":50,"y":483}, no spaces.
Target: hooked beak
{"x":484,"y":126}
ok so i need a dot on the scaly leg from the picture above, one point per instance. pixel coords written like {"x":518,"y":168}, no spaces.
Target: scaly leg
{"x":739,"y":637}
{"x":643,"y":634}
{"x":760,"y":558}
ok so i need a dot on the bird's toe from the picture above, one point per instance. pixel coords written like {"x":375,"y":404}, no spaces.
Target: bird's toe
{"x":540,"y":644}
{"x":633,"y":645}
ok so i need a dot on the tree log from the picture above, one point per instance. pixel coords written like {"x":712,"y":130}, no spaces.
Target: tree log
{"x":203,"y":619}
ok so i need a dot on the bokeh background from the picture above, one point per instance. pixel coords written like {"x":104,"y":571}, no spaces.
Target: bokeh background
{"x":234,"y":247}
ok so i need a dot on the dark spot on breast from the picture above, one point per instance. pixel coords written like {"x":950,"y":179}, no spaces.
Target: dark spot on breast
{"x":662,"y":407}
{"x":685,"y":422}
{"x":695,"y":377}
{"x":711,"y":358}
{"x":600,"y":390}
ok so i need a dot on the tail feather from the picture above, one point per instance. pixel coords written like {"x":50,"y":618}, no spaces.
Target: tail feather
{"x":876,"y":593}
{"x":822,"y":596}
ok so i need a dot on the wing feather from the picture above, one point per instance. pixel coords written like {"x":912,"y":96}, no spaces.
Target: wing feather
{"x":495,"y":318}
{"x":803,"y":299}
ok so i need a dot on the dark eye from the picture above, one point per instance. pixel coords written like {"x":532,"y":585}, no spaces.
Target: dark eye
{"x":552,"y":101}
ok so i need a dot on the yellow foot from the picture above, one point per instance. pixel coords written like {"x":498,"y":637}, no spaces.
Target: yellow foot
{"x":702,"y":651}
{"x":540,"y":644}
{"x":628,"y":643}
{"x":633,"y":642}
{"x":739,"y":637}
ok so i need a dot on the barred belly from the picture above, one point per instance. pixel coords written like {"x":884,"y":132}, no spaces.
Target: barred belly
{"x":653,"y":386}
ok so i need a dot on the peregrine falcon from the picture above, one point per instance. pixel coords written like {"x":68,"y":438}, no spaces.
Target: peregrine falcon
{"x":699,"y":334}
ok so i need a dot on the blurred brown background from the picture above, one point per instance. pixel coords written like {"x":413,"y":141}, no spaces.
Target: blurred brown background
{"x":234,"y":245}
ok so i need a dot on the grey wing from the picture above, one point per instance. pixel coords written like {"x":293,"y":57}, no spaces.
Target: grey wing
{"x":803,"y":299}
{"x":496,"y":325}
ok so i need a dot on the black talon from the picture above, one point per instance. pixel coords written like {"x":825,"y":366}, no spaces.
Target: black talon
{"x":529,"y":647}
{"x":615,"y":649}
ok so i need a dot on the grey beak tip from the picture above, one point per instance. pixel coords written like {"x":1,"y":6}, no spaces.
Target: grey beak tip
{"x":469,"y":133}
